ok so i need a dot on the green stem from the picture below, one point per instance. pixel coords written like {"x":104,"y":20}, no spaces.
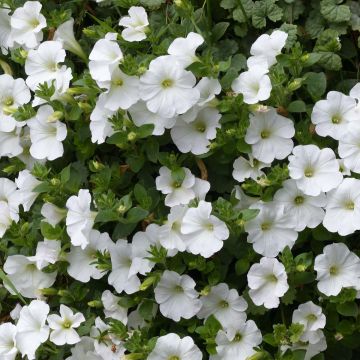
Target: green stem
{"x":209,"y":13}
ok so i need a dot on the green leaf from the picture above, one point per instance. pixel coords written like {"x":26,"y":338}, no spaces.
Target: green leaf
{"x":219,"y":30}
{"x":107,"y":215}
{"x":291,"y":30}
{"x":297,"y":106}
{"x":146,"y":309}
{"x":348,"y":309}
{"x":334,"y":12}
{"x":265,"y":9}
{"x":49,"y":232}
{"x":135,"y":215}
{"x":228,"y":4}
{"x":242,"y":266}
{"x":315,"y":84}
{"x":242,"y":13}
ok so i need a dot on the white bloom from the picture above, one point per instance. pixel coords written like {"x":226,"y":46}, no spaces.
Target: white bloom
{"x":84,"y":350}
{"x":26,"y":183}
{"x":127,"y":261}
{"x":304,"y":210}
{"x":337,"y":268}
{"x":244,"y":201}
{"x":254,"y":85}
{"x":313,"y":319}
{"x":226,"y":305}
{"x":122,"y":91}
{"x":100,"y":126}
{"x":333,"y":115}
{"x":355,"y":92}
{"x":26,"y":277}
{"x":271,"y":230}
{"x":342,"y":213}
{"x":237,"y":341}
{"x":183,"y":49}
{"x":13,"y":93}
{"x":267,"y":281}
{"x":315,"y":170}
{"x":46,"y":135}
{"x":167,"y":88}
{"x":343,"y":168}
{"x":15,"y":312}
{"x":207,"y":231}
{"x":201,"y":188}
{"x":112,"y":309}
{"x":65,"y":34}
{"x":269,"y":135}
{"x":266,"y":47}
{"x":42,"y":66}
{"x":171,"y":346}
{"x":8,"y":349}
{"x":5,"y":217}
{"x":208,"y":88}
{"x":5,"y":30}
{"x":244,"y":169}
{"x":170,"y":236}
{"x":177,"y":192}
{"x":349,"y":149}
{"x":63,"y":326}
{"x":192,"y":131}
{"x":8,"y":194}
{"x":52,"y":214}
{"x":136,"y":24}
{"x":31,"y":328}
{"x":174,"y":289}
{"x":81,"y":260}
{"x":10,"y":143}
{"x":27,"y":23}
{"x":105,"y":57}
{"x":312,"y":349}
{"x":47,"y":252}
{"x":140,"y":115}
{"x":79,"y":219}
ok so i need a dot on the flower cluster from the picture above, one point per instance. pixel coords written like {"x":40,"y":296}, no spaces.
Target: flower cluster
{"x":165,"y":197}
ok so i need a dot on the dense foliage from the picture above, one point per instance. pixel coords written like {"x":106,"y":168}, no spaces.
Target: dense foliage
{"x":176,"y":183}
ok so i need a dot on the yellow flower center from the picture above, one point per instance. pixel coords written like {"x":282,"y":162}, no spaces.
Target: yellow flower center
{"x":265,"y":134}
{"x":167,"y":83}
{"x":299,"y":200}
{"x":336,"y":119}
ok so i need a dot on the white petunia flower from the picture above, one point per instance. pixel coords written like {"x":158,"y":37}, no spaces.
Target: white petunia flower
{"x":244,"y":169}
{"x":5,"y":30}
{"x":100,"y":126}
{"x":312,"y":349}
{"x":172,"y":347}
{"x":10,"y":143}
{"x":63,"y":326}
{"x":267,"y":281}
{"x":5,"y":217}
{"x":127,"y":261}
{"x":122,"y":91}
{"x":266,"y":47}
{"x":42,"y":66}
{"x":206,"y":232}
{"x":105,"y":57}
{"x":27,"y":23}
{"x":177,"y":192}
{"x":333,"y":116}
{"x":304,"y":210}
{"x":15,"y":312}
{"x":225,"y":304}
{"x":269,"y":135}
{"x":313,"y":319}
{"x":8,"y":194}
{"x":243,"y":201}
{"x":271,"y":230}
{"x":208,"y":88}
{"x":314,"y":170}
{"x":13,"y":93}
{"x":254,"y":85}
{"x":46,"y":135}
{"x":31,"y":328}
{"x":81,"y":260}
{"x":193,"y":132}
{"x":112,"y":309}
{"x":8,"y":349}
{"x":84,"y":350}
{"x":174,"y":289}
{"x":140,"y":115}
{"x":167,"y":88}
{"x":342,"y":213}
{"x":183,"y":49}
{"x":237,"y":341}
{"x":65,"y":34}
{"x":337,"y":267}
{"x":47,"y":252}
{"x":79,"y":219}
{"x":26,"y":277}
{"x":136,"y":24}
{"x":52,"y":214}
{"x":201,"y":188}
{"x":26,"y":183}
{"x":170,"y":236}
{"x":349,"y":149}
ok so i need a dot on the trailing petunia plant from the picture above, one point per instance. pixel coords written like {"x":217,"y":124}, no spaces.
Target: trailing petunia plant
{"x":179,"y":180}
